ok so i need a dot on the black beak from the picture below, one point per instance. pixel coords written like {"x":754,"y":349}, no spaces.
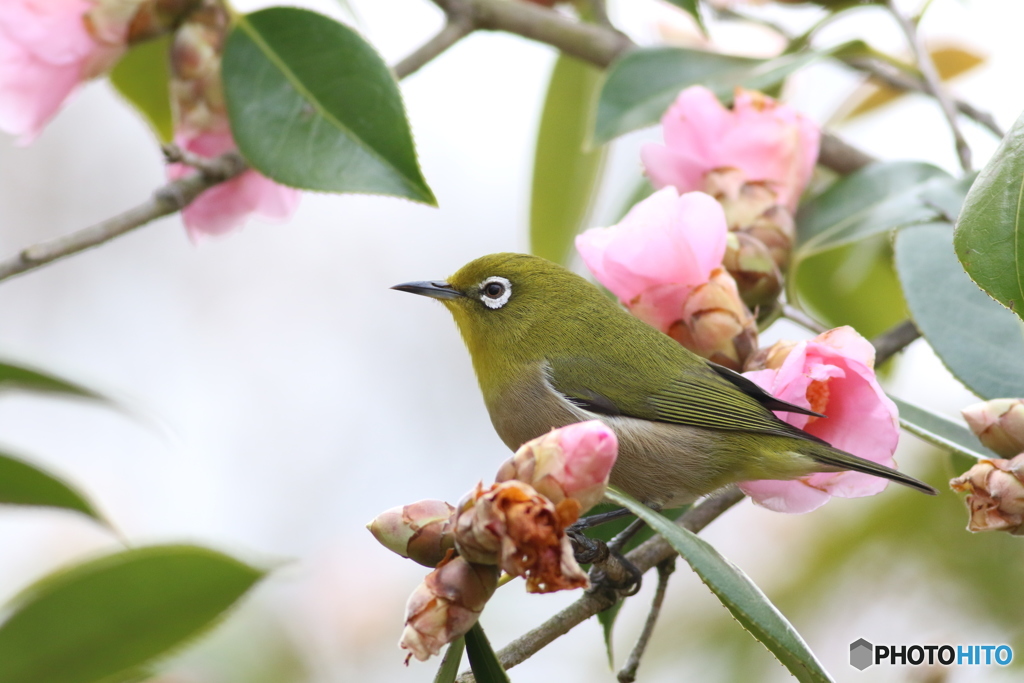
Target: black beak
{"x":435,"y":289}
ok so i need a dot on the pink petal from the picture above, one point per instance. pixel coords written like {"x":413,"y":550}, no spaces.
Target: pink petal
{"x":229,"y":205}
{"x":794,"y":497}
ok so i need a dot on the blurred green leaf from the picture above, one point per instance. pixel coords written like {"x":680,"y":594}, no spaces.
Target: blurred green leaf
{"x":482,"y":660}
{"x":107,"y":617}
{"x":693,"y":9}
{"x":19,"y":377}
{"x":940,"y":431}
{"x":565,"y":176}
{"x":854,"y":285}
{"x":989,"y":238}
{"x":143,"y":78}
{"x":737,"y":592}
{"x":980,"y":342}
{"x":25,"y":484}
{"x":312,"y":105}
{"x":874,"y":200}
{"x":449,"y":668}
{"x":607,"y":620}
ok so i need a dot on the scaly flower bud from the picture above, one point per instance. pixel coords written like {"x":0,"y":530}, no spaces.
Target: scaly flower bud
{"x":421,"y":531}
{"x":571,"y":462}
{"x":999,"y":424}
{"x":770,"y":358}
{"x":446,"y":605}
{"x":714,"y":322}
{"x":752,"y":207}
{"x":751,"y":264}
{"x":513,"y":526}
{"x":995,"y":495}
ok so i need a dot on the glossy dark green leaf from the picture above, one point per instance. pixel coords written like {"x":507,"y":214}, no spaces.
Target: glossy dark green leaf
{"x":25,"y":484}
{"x":989,"y":236}
{"x":449,"y":668}
{"x":980,"y":341}
{"x":312,"y":105}
{"x":642,"y":85}
{"x":736,"y":591}
{"x":692,"y":8}
{"x":20,"y":377}
{"x":482,"y":660}
{"x":143,"y":77}
{"x":874,"y":200}
{"x":940,"y":431}
{"x":565,"y":175}
{"x":109,"y":616}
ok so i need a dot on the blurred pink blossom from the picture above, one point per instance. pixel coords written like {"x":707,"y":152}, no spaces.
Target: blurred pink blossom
{"x":768,"y":141}
{"x":228,"y":205}
{"x":664,"y":247}
{"x":831,"y":374}
{"x":46,"y":50}
{"x":570,"y":462}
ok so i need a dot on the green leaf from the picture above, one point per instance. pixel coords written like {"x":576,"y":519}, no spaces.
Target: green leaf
{"x":109,"y":616}
{"x":989,"y":238}
{"x":940,"y":431}
{"x":737,"y":592}
{"x":565,"y":175}
{"x":980,"y":342}
{"x":143,"y":78}
{"x":449,"y":668}
{"x":693,"y":9}
{"x":607,"y":620}
{"x":641,"y":85}
{"x":312,"y":105}
{"x":25,"y":484}
{"x":874,"y":200}
{"x":482,"y":660}
{"x":19,"y":377}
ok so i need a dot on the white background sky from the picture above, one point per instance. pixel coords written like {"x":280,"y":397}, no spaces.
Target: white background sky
{"x":280,"y":395}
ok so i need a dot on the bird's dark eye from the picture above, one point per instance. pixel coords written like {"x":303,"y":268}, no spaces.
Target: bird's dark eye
{"x":494,"y":290}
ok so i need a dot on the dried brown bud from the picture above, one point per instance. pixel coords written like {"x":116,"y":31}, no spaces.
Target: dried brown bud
{"x":446,"y":605}
{"x":513,"y":526}
{"x":716,"y":324}
{"x":421,"y":531}
{"x":995,"y":495}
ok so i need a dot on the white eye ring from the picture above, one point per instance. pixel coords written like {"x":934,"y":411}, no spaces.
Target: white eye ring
{"x":501,"y":297}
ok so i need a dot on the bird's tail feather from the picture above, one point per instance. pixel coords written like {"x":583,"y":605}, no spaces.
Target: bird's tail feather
{"x":842,"y":460}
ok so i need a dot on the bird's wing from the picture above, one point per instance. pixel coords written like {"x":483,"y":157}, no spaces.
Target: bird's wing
{"x":757,"y":393}
{"x":696,"y":398}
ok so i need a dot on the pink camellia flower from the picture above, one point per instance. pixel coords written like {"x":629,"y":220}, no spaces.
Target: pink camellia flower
{"x":228,"y":205}
{"x":831,"y":374}
{"x":571,"y":462}
{"x":46,"y":50}
{"x":768,"y":141}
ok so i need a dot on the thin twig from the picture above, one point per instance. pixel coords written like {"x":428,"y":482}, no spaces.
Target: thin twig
{"x":628,"y":672}
{"x":933,"y":83}
{"x":168,"y":199}
{"x":455,"y":29}
{"x":800,"y":318}
{"x":599,"y":8}
{"x":894,"y":340}
{"x":901,"y":80}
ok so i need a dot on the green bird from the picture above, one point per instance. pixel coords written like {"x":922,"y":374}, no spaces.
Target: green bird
{"x":550,"y":349}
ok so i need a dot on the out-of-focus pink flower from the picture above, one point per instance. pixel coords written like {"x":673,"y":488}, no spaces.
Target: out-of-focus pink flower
{"x":46,"y":50}
{"x":228,"y":205}
{"x":999,"y":424}
{"x":421,"y":531}
{"x":831,"y":374}
{"x":667,"y":240}
{"x":570,"y":462}
{"x":446,"y":605}
{"x":995,"y":497}
{"x":768,"y":141}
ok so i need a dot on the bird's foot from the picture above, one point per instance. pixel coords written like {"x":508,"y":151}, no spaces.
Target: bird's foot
{"x":616,"y":575}
{"x":586,"y":550}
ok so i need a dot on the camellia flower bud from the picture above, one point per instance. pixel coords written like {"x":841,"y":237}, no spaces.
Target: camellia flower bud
{"x":521,"y":531}
{"x":995,"y":495}
{"x":752,"y":267}
{"x":770,"y":358}
{"x":446,"y":605}
{"x":999,"y":424}
{"x":421,"y":531}
{"x":571,"y":462}
{"x":714,"y":322}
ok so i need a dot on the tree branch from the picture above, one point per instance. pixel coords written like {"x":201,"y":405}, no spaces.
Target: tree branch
{"x":455,"y":29}
{"x":894,"y":340}
{"x":628,"y":672}
{"x":932,"y":83}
